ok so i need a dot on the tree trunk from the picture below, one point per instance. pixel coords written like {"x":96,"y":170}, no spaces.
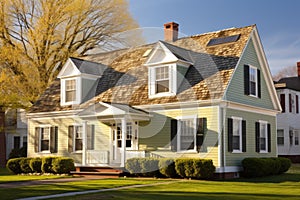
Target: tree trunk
{"x":2,"y":138}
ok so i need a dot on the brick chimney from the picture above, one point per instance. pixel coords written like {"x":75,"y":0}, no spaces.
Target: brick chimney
{"x":171,"y":31}
{"x":298,"y":68}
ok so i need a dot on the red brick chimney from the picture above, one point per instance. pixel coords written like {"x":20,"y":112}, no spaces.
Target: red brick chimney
{"x":298,"y":68}
{"x":171,"y":31}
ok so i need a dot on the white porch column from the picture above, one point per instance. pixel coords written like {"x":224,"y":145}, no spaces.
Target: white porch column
{"x":123,"y":151}
{"x":84,"y":131}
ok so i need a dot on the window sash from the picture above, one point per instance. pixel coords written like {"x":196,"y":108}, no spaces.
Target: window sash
{"x":78,"y":138}
{"x":187,"y":135}
{"x":45,"y":139}
{"x":280,"y":137}
{"x":162,"y":79}
{"x":263,"y":137}
{"x":237,"y":134}
{"x":70,"y":90}
{"x":253,"y":81}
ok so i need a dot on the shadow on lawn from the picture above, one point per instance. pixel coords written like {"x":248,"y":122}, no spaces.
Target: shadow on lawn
{"x":287,"y":177}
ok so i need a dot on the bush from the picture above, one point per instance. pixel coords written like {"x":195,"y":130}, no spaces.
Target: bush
{"x":62,"y":165}
{"x":36,"y":165}
{"x":133,"y":166}
{"x":13,"y":165}
{"x":25,"y":165}
{"x":195,"y":168}
{"x":203,"y":169}
{"x":167,"y":167}
{"x":285,"y":164}
{"x":18,"y":153}
{"x":149,"y":167}
{"x":258,"y":167}
{"x":47,"y":165}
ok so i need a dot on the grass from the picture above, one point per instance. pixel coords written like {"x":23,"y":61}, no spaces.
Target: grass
{"x":7,"y":177}
{"x":268,"y":188}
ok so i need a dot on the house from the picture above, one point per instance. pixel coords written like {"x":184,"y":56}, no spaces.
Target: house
{"x":205,"y":96}
{"x":288,"y":127}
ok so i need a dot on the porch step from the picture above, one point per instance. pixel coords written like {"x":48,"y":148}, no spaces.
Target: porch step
{"x":103,"y":172}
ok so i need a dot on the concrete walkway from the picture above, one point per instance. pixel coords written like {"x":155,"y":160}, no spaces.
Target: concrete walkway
{"x":68,"y":194}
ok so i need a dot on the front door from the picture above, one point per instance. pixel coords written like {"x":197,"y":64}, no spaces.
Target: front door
{"x":130,"y":140}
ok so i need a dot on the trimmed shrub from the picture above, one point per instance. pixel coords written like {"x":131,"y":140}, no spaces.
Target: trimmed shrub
{"x":203,"y":169}
{"x":167,"y":167}
{"x":133,"y":166}
{"x":24,"y":165}
{"x":180,"y":167}
{"x":285,"y":164}
{"x":47,"y":164}
{"x":258,"y":167}
{"x":62,"y":165}
{"x":13,"y":165}
{"x":149,"y":167}
{"x":36,"y":165}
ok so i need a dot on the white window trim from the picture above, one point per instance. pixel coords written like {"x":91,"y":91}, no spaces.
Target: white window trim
{"x":63,"y":91}
{"x":240,"y":135}
{"x":40,"y":138}
{"x":193,"y":117}
{"x":172,"y":81}
{"x":74,"y":137}
{"x":281,"y":137}
{"x":265,"y":123}
{"x":256,"y":82}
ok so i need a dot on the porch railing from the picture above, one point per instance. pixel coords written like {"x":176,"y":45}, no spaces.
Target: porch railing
{"x":97,"y":157}
{"x":135,"y":154}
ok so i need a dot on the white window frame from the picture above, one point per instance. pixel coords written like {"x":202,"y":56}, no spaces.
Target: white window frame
{"x":40,"y":138}
{"x":280,"y":136}
{"x":239,"y":120}
{"x":263,"y":123}
{"x":74,"y":137}
{"x":172,"y":80}
{"x":77,"y":92}
{"x":255,"y":80}
{"x":179,"y":120}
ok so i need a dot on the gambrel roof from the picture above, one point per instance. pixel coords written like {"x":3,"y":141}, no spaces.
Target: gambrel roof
{"x":124,"y":75}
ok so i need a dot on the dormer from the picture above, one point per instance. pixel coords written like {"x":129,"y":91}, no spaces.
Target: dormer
{"x":167,"y":65}
{"x":77,"y":78}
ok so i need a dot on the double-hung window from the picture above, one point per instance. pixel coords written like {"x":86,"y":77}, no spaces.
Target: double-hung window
{"x":78,"y":138}
{"x":162,"y":79}
{"x":70,"y":90}
{"x":280,"y":137}
{"x":187,"y":134}
{"x":263,"y":137}
{"x":45,"y":139}
{"x":237,"y":135}
{"x":252,"y":83}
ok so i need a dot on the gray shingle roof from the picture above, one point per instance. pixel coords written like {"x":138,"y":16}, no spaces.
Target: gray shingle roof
{"x":290,"y":83}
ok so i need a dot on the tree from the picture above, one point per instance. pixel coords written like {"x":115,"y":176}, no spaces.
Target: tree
{"x":289,"y":71}
{"x":38,"y":36}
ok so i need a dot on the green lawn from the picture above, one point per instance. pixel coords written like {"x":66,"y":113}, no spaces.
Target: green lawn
{"x":285,"y":186}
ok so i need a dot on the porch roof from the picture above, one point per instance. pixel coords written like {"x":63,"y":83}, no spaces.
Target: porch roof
{"x":110,"y":111}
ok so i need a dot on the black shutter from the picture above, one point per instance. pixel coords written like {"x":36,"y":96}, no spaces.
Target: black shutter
{"x":53,"y":139}
{"x":230,"y":134}
{"x":269,"y":137}
{"x":297,"y":104}
{"x":258,"y":84}
{"x":246,"y":80}
{"x":173,"y":135}
{"x":201,"y":132}
{"x":282,"y":102}
{"x":70,"y":138}
{"x":36,"y":139}
{"x":91,"y":137}
{"x":257,"y":134}
{"x":244,"y":143}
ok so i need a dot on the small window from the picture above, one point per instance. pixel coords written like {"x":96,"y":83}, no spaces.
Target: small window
{"x":45,"y":139}
{"x":253,"y":81}
{"x":129,"y":135}
{"x":296,"y":138}
{"x":17,"y":142}
{"x":291,"y":135}
{"x":263,"y":137}
{"x":162,"y":79}
{"x":70,"y":90}
{"x":280,"y":137}
{"x":187,"y":135}
{"x":78,"y":138}
{"x":237,"y":135}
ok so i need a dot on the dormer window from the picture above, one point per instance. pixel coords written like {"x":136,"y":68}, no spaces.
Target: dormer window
{"x":162,"y":82}
{"x":70,"y":90}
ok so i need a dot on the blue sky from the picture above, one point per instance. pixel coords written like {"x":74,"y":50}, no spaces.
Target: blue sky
{"x":278,"y":22}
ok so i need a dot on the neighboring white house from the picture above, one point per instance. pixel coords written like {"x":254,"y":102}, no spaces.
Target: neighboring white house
{"x":15,"y":129}
{"x":288,"y":122}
